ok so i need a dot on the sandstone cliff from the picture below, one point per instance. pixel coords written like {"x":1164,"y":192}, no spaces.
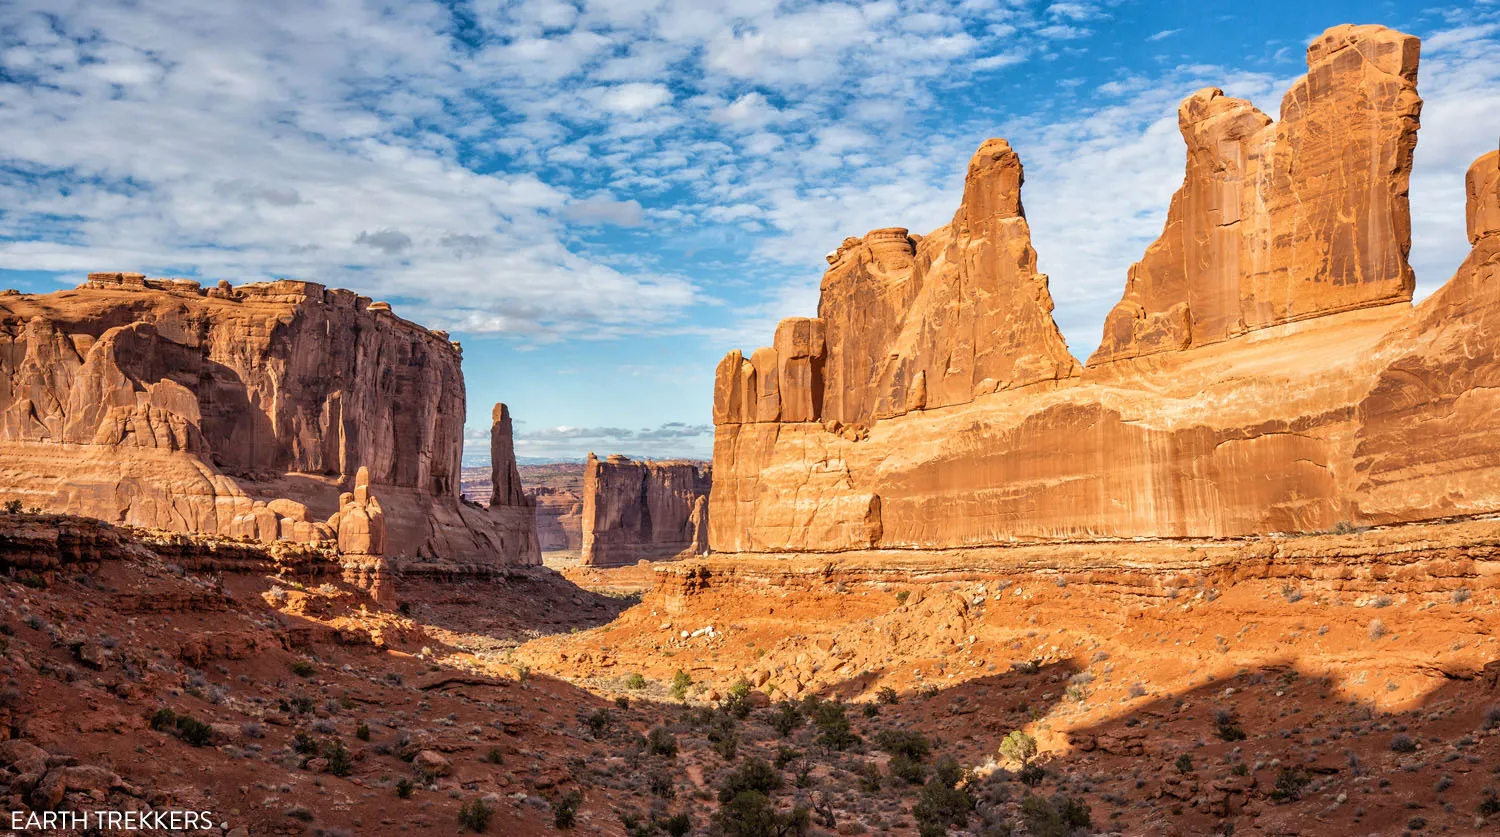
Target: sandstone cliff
{"x":1282,"y":221}
{"x":643,"y":510}
{"x":242,"y":411}
{"x":1264,"y":373}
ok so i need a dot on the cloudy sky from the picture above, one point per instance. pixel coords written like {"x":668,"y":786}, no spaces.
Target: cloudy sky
{"x":602,"y":197}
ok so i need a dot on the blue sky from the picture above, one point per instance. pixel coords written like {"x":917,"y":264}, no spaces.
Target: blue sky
{"x":601,"y":198}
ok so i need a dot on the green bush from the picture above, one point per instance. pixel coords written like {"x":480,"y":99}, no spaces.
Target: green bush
{"x":494,"y":756}
{"x":723,"y":736}
{"x":194,"y":732}
{"x":752,"y":775}
{"x":565,"y":810}
{"x":340,"y":763}
{"x":12,"y":506}
{"x":362,"y":732}
{"x":887,"y":696}
{"x":1060,"y":816}
{"x":737,"y":702}
{"x":474,"y":816}
{"x":904,"y":768}
{"x":164,"y":720}
{"x":404,"y":788}
{"x":681,"y":682}
{"x":1018,"y":747}
{"x":636,"y":680}
{"x":677,"y":825}
{"x":1184,"y":764}
{"x":302,"y":668}
{"x":1227,"y":727}
{"x":899,"y":742}
{"x":941,"y":804}
{"x":661,"y":742}
{"x":598,"y":721}
{"x":751,"y":814}
{"x":1289,"y":784}
{"x":785,"y":718}
{"x":832,"y":722}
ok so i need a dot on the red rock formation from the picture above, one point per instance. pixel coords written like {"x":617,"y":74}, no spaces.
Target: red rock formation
{"x":505,"y":478}
{"x":634,"y":511}
{"x":240,"y":411}
{"x":1275,"y":380}
{"x":1282,"y":221}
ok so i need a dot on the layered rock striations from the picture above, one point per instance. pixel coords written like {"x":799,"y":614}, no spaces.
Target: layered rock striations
{"x":1280,"y":221}
{"x":241,"y":411}
{"x":643,"y":510}
{"x":1265,"y":371}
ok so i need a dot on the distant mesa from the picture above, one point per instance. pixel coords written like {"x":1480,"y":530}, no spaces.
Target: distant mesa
{"x":643,"y":510}
{"x":1263,"y":372}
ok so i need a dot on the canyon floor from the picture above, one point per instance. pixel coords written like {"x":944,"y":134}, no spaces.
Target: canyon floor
{"x":1335,"y":684}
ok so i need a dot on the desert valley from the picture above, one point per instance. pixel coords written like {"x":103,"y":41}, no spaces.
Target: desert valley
{"x":1237,"y":572}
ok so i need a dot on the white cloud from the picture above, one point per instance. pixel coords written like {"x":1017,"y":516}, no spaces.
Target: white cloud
{"x":633,"y":99}
{"x":1163,"y":34}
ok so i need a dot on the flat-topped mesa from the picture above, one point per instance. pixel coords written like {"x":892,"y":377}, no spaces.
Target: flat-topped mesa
{"x":1278,"y":222}
{"x":909,"y":323}
{"x":643,"y":510}
{"x":240,"y":411}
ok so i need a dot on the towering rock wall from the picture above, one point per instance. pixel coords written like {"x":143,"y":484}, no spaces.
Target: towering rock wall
{"x":1270,"y":374}
{"x":160,"y":403}
{"x":1282,"y":221}
{"x":644,"y":510}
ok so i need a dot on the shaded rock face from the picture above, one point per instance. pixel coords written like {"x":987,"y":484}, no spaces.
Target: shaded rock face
{"x":643,"y":510}
{"x":239,"y":411}
{"x":1282,"y":221}
{"x":1272,"y":378}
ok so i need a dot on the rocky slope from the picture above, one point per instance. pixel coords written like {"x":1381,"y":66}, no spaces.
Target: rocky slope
{"x":242,"y":411}
{"x":643,"y":510}
{"x":1264,"y":372}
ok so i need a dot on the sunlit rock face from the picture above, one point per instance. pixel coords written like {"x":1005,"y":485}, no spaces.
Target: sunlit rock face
{"x":1264,"y":371}
{"x":245,"y":412}
{"x":640,"y":510}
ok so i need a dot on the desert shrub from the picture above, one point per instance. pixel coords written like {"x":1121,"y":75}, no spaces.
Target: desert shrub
{"x":677,"y":825}
{"x":12,"y":506}
{"x":681,"y":682}
{"x":723,"y":737}
{"x":565,"y":810}
{"x":194,"y":732}
{"x":1489,"y":806}
{"x":340,"y":763}
{"x":494,"y":756}
{"x":1461,"y":595}
{"x":904,"y":768}
{"x":304,"y":744}
{"x":1403,"y":744}
{"x":941,"y":804}
{"x":1289,"y":784}
{"x":404,"y":788}
{"x":1059,"y":816}
{"x":302,"y":668}
{"x":362,"y":732}
{"x":1184,"y":764}
{"x":751,"y":814}
{"x":785,"y":718}
{"x":912,"y":745}
{"x":164,"y":720}
{"x":622,"y":702}
{"x":832,"y":721}
{"x":659,"y":782}
{"x":887,"y":696}
{"x":474,"y":816}
{"x":661,"y":742}
{"x":1377,"y":629}
{"x":1227,"y":727}
{"x":868,"y":773}
{"x":1018,"y":747}
{"x":636,"y":680}
{"x":902,"y":596}
{"x":598,"y":721}
{"x":737,"y":701}
{"x":752,"y":775}
{"x":785,"y":756}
